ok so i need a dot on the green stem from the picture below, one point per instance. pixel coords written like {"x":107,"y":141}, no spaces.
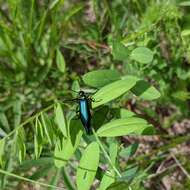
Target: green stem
{"x":106,"y":154}
{"x":29,"y":180}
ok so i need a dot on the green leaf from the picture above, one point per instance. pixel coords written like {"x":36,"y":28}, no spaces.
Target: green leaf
{"x":119,"y":51}
{"x":2,"y":146}
{"x":142,"y":55}
{"x":41,"y":172}
{"x":55,"y":179}
{"x":60,"y":119}
{"x":126,"y":113}
{"x":75,"y":87}
{"x":46,"y":123}
{"x":100,"y":78}
{"x":38,"y":138}
{"x":65,"y":149}
{"x":120,"y":185}
{"x":87,"y":168}
{"x":143,"y":90}
{"x":130,"y":173}
{"x":73,"y":11}
{"x":107,"y":180}
{"x":181,"y":95}
{"x":17,"y":112}
{"x":185,"y":3}
{"x":20,"y":139}
{"x":60,"y":61}
{"x":113,"y":149}
{"x":129,"y":151}
{"x":55,"y":3}
{"x":113,"y":90}
{"x":120,"y":127}
{"x":4,"y":122}
{"x":28,"y":164}
{"x":185,"y":32}
{"x":99,"y":116}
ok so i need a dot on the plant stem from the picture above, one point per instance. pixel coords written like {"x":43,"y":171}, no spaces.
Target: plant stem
{"x":29,"y":180}
{"x":106,"y":154}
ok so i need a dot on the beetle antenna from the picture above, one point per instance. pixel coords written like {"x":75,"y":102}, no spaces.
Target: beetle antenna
{"x":74,"y":91}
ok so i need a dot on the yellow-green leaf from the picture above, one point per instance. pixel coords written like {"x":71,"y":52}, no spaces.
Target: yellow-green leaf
{"x":60,"y":61}
{"x":107,"y":180}
{"x":119,"y":185}
{"x":142,"y":55}
{"x":185,"y":32}
{"x":60,"y":119}
{"x":46,"y":123}
{"x":145,"y":91}
{"x":100,"y":78}
{"x":113,"y":90}
{"x":2,"y":145}
{"x":87,"y":168}
{"x":64,"y":151}
{"x":120,"y":127}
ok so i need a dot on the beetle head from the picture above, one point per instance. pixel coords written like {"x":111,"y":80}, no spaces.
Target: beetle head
{"x":81,"y":93}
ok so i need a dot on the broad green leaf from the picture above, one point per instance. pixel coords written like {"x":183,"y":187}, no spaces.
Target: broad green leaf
{"x":76,"y":88}
{"x":60,"y":119}
{"x":143,"y":90}
{"x":99,"y":116}
{"x":129,"y":151}
{"x":130,"y":173}
{"x":113,"y":149}
{"x":87,"y":168}
{"x":124,"y":113}
{"x":120,"y":127}
{"x":107,"y":180}
{"x":119,"y":51}
{"x":100,"y":78}
{"x":120,"y":185}
{"x":63,"y":152}
{"x":185,"y":3}
{"x":60,"y":61}
{"x":113,"y":90}
{"x":2,"y":145}
{"x":46,"y":123}
{"x":142,"y":55}
{"x":185,"y":32}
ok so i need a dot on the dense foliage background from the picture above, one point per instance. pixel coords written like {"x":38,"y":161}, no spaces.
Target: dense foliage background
{"x":49,"y":47}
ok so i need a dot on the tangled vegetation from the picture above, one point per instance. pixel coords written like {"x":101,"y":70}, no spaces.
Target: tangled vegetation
{"x":131,"y":57}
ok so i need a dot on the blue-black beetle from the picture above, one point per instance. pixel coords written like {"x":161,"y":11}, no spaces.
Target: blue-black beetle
{"x":83,"y":110}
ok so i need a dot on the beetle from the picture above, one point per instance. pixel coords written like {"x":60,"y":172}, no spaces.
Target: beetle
{"x":83,"y":109}
{"x":84,"y":104}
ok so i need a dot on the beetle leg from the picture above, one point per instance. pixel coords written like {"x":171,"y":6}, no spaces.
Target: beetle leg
{"x":93,"y":100}
{"x":70,"y":100}
{"x":77,"y":113}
